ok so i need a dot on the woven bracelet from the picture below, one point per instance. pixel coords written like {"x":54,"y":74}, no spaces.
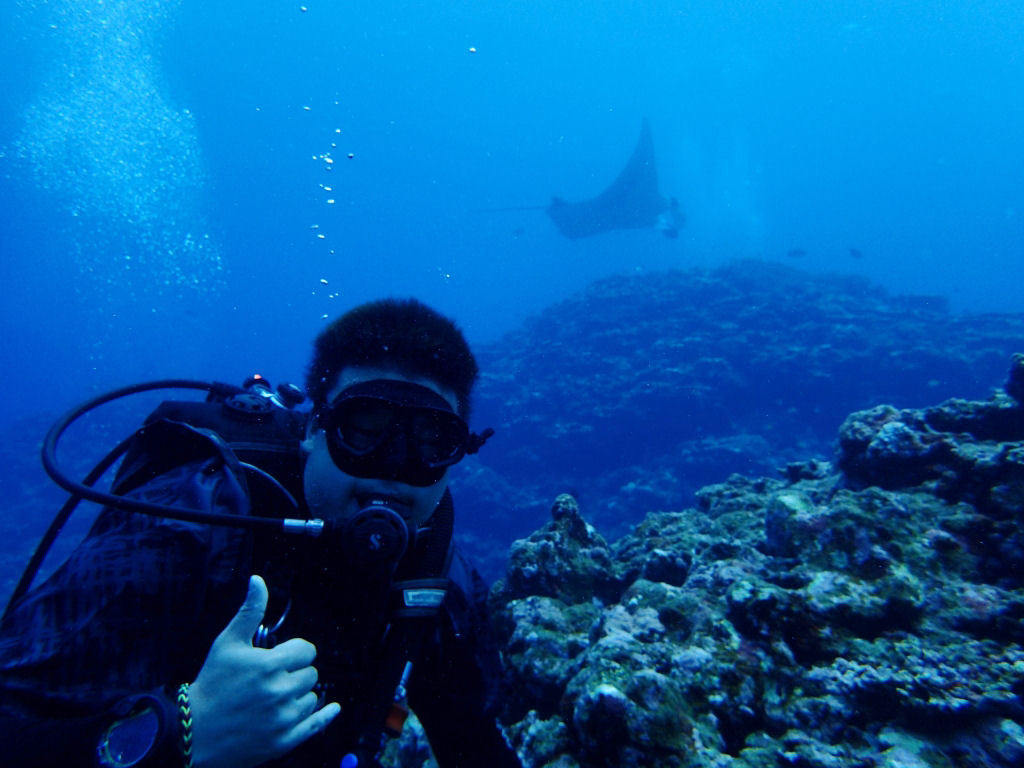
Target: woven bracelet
{"x":185,"y":713}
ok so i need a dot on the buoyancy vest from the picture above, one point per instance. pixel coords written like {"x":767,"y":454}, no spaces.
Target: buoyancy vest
{"x":264,"y":442}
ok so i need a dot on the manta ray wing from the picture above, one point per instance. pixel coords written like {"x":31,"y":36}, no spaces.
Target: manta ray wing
{"x":632,"y":201}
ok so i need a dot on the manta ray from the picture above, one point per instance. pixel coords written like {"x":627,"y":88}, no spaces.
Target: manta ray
{"x":631,"y":201}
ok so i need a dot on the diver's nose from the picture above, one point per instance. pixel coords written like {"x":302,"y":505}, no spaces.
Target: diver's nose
{"x":399,"y":451}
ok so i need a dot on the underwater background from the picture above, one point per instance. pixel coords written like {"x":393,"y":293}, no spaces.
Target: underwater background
{"x":164,"y":164}
{"x":194,"y":189}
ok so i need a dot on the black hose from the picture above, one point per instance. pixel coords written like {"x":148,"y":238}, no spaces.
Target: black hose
{"x":57,"y":524}
{"x":49,"y":453}
{"x":84,"y":489}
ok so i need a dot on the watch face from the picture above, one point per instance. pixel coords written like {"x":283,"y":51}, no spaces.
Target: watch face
{"x":128,"y":741}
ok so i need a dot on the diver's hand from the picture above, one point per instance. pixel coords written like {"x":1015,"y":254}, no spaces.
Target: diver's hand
{"x":253,"y":704}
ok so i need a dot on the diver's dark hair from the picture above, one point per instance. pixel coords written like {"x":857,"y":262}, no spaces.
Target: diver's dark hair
{"x":403,"y":335}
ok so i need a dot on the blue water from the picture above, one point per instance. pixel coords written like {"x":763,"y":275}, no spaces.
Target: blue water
{"x":164,"y":164}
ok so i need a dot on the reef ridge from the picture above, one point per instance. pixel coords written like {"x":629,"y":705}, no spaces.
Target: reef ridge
{"x":867,"y":611}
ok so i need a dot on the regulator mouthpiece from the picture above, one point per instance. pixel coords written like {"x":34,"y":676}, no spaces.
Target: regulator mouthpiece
{"x":375,"y":537}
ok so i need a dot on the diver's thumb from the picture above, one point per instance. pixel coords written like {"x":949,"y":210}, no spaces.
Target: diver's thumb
{"x":243,"y":626}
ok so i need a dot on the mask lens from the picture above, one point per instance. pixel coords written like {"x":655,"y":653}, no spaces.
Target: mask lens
{"x":363,"y":423}
{"x":372,"y":435}
{"x":438,"y":438}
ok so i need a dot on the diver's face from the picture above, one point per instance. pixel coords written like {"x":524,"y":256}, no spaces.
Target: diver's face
{"x":334,"y":495}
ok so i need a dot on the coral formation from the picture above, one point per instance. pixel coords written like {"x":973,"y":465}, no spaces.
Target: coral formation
{"x":641,"y":389}
{"x":868,"y":612}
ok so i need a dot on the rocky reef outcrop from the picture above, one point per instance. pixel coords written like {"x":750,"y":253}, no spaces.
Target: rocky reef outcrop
{"x":643,"y":388}
{"x":867,"y":611}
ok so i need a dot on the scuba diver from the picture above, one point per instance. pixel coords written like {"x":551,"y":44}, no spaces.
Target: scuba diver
{"x":267,"y":585}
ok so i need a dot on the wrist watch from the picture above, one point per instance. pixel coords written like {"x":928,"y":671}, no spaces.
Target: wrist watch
{"x":134,"y":734}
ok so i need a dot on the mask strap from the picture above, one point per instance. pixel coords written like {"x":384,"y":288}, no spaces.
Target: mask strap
{"x":476,"y":441}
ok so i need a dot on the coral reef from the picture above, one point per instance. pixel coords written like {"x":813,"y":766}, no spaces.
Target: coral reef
{"x":641,"y":389}
{"x":865,"y":612}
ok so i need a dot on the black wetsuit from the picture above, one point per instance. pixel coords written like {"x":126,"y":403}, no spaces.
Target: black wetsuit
{"x":138,"y":604}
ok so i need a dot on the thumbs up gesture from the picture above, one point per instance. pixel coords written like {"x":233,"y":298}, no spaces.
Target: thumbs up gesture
{"x":253,"y":704}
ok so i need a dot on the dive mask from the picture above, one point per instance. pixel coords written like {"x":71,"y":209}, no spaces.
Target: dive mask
{"x":395,"y":430}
